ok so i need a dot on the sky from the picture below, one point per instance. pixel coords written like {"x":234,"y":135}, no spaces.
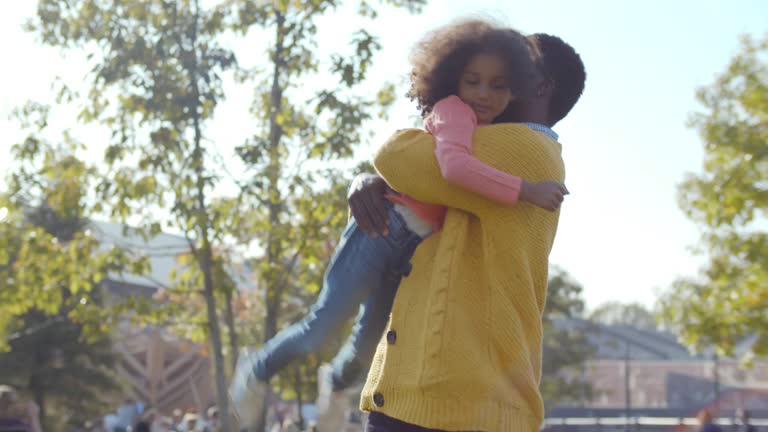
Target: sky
{"x":626,"y":145}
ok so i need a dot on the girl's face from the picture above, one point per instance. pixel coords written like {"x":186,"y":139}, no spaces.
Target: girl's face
{"x":483,"y":86}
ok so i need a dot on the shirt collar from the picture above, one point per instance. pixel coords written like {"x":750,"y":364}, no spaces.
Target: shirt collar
{"x":544,"y":129}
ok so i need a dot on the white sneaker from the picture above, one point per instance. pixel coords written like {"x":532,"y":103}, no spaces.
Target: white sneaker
{"x":246,"y":391}
{"x":331,"y":405}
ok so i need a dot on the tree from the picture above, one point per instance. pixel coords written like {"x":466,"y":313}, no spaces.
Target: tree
{"x":71,"y":379}
{"x":299,"y":381}
{"x":156,"y":81}
{"x":49,"y":261}
{"x":728,"y":300}
{"x":632,"y":314}
{"x":566,"y":347}
{"x":297,"y":125}
{"x":54,"y":328}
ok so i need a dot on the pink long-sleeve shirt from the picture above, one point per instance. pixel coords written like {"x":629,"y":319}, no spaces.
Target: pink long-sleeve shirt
{"x":452,"y":123}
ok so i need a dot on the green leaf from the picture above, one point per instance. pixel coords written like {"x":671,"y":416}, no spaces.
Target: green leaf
{"x":728,"y":301}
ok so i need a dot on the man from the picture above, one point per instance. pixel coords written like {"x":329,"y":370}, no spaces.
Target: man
{"x":463,"y":350}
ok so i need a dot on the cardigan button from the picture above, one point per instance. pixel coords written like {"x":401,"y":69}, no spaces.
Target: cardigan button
{"x":378,"y":399}
{"x":391,"y":337}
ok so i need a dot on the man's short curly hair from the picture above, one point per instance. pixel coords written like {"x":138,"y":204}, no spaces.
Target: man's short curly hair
{"x":561,"y":64}
{"x":439,"y":58}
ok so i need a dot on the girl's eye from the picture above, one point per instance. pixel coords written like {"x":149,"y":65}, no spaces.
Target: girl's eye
{"x":470,"y":82}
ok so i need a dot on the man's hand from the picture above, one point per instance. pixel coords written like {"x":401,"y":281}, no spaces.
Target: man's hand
{"x":547,"y":194}
{"x":368,"y":204}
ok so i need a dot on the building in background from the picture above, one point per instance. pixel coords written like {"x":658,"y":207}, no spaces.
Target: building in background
{"x":635,"y":371}
{"x":648,"y":373}
{"x":164,"y":371}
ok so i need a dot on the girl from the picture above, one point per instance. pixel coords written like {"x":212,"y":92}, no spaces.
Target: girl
{"x":464,"y":75}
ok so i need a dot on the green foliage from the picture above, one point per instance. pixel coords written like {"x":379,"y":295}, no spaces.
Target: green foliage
{"x":156,"y":80}
{"x":72,"y":380}
{"x":632,"y":314}
{"x":53,"y":327}
{"x":728,"y":301}
{"x":302,"y":210}
{"x":565,"y":349}
{"x":49,"y":261}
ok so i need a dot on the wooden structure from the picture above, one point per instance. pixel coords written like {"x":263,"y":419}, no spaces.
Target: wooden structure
{"x":163,"y":371}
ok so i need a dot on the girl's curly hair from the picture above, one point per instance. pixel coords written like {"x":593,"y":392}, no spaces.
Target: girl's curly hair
{"x":439,"y":58}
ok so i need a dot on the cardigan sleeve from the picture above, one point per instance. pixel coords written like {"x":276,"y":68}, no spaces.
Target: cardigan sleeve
{"x":452,"y":122}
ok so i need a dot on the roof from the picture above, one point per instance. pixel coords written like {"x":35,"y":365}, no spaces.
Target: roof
{"x":611,"y":341}
{"x":163,"y":251}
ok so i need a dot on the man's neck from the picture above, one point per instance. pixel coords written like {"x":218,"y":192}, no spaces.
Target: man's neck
{"x":535,"y":113}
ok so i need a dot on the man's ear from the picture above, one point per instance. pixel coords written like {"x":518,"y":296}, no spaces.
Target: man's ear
{"x":545,"y":87}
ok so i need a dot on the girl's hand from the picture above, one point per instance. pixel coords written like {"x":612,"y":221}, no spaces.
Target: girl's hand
{"x":547,"y":194}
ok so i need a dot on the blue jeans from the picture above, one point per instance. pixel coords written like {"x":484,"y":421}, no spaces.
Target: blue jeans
{"x":363,"y":274}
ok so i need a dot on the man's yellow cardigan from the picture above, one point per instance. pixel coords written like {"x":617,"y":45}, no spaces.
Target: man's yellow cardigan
{"x":463,"y":350}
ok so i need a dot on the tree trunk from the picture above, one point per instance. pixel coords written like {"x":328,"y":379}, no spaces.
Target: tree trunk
{"x":214,"y":330}
{"x":36,"y":387}
{"x":274,"y":292}
{"x":298,"y":386}
{"x":205,"y":253}
{"x":214,"y":333}
{"x":229,"y":318}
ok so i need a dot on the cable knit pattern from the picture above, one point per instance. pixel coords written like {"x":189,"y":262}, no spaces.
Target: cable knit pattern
{"x":464,"y":348}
